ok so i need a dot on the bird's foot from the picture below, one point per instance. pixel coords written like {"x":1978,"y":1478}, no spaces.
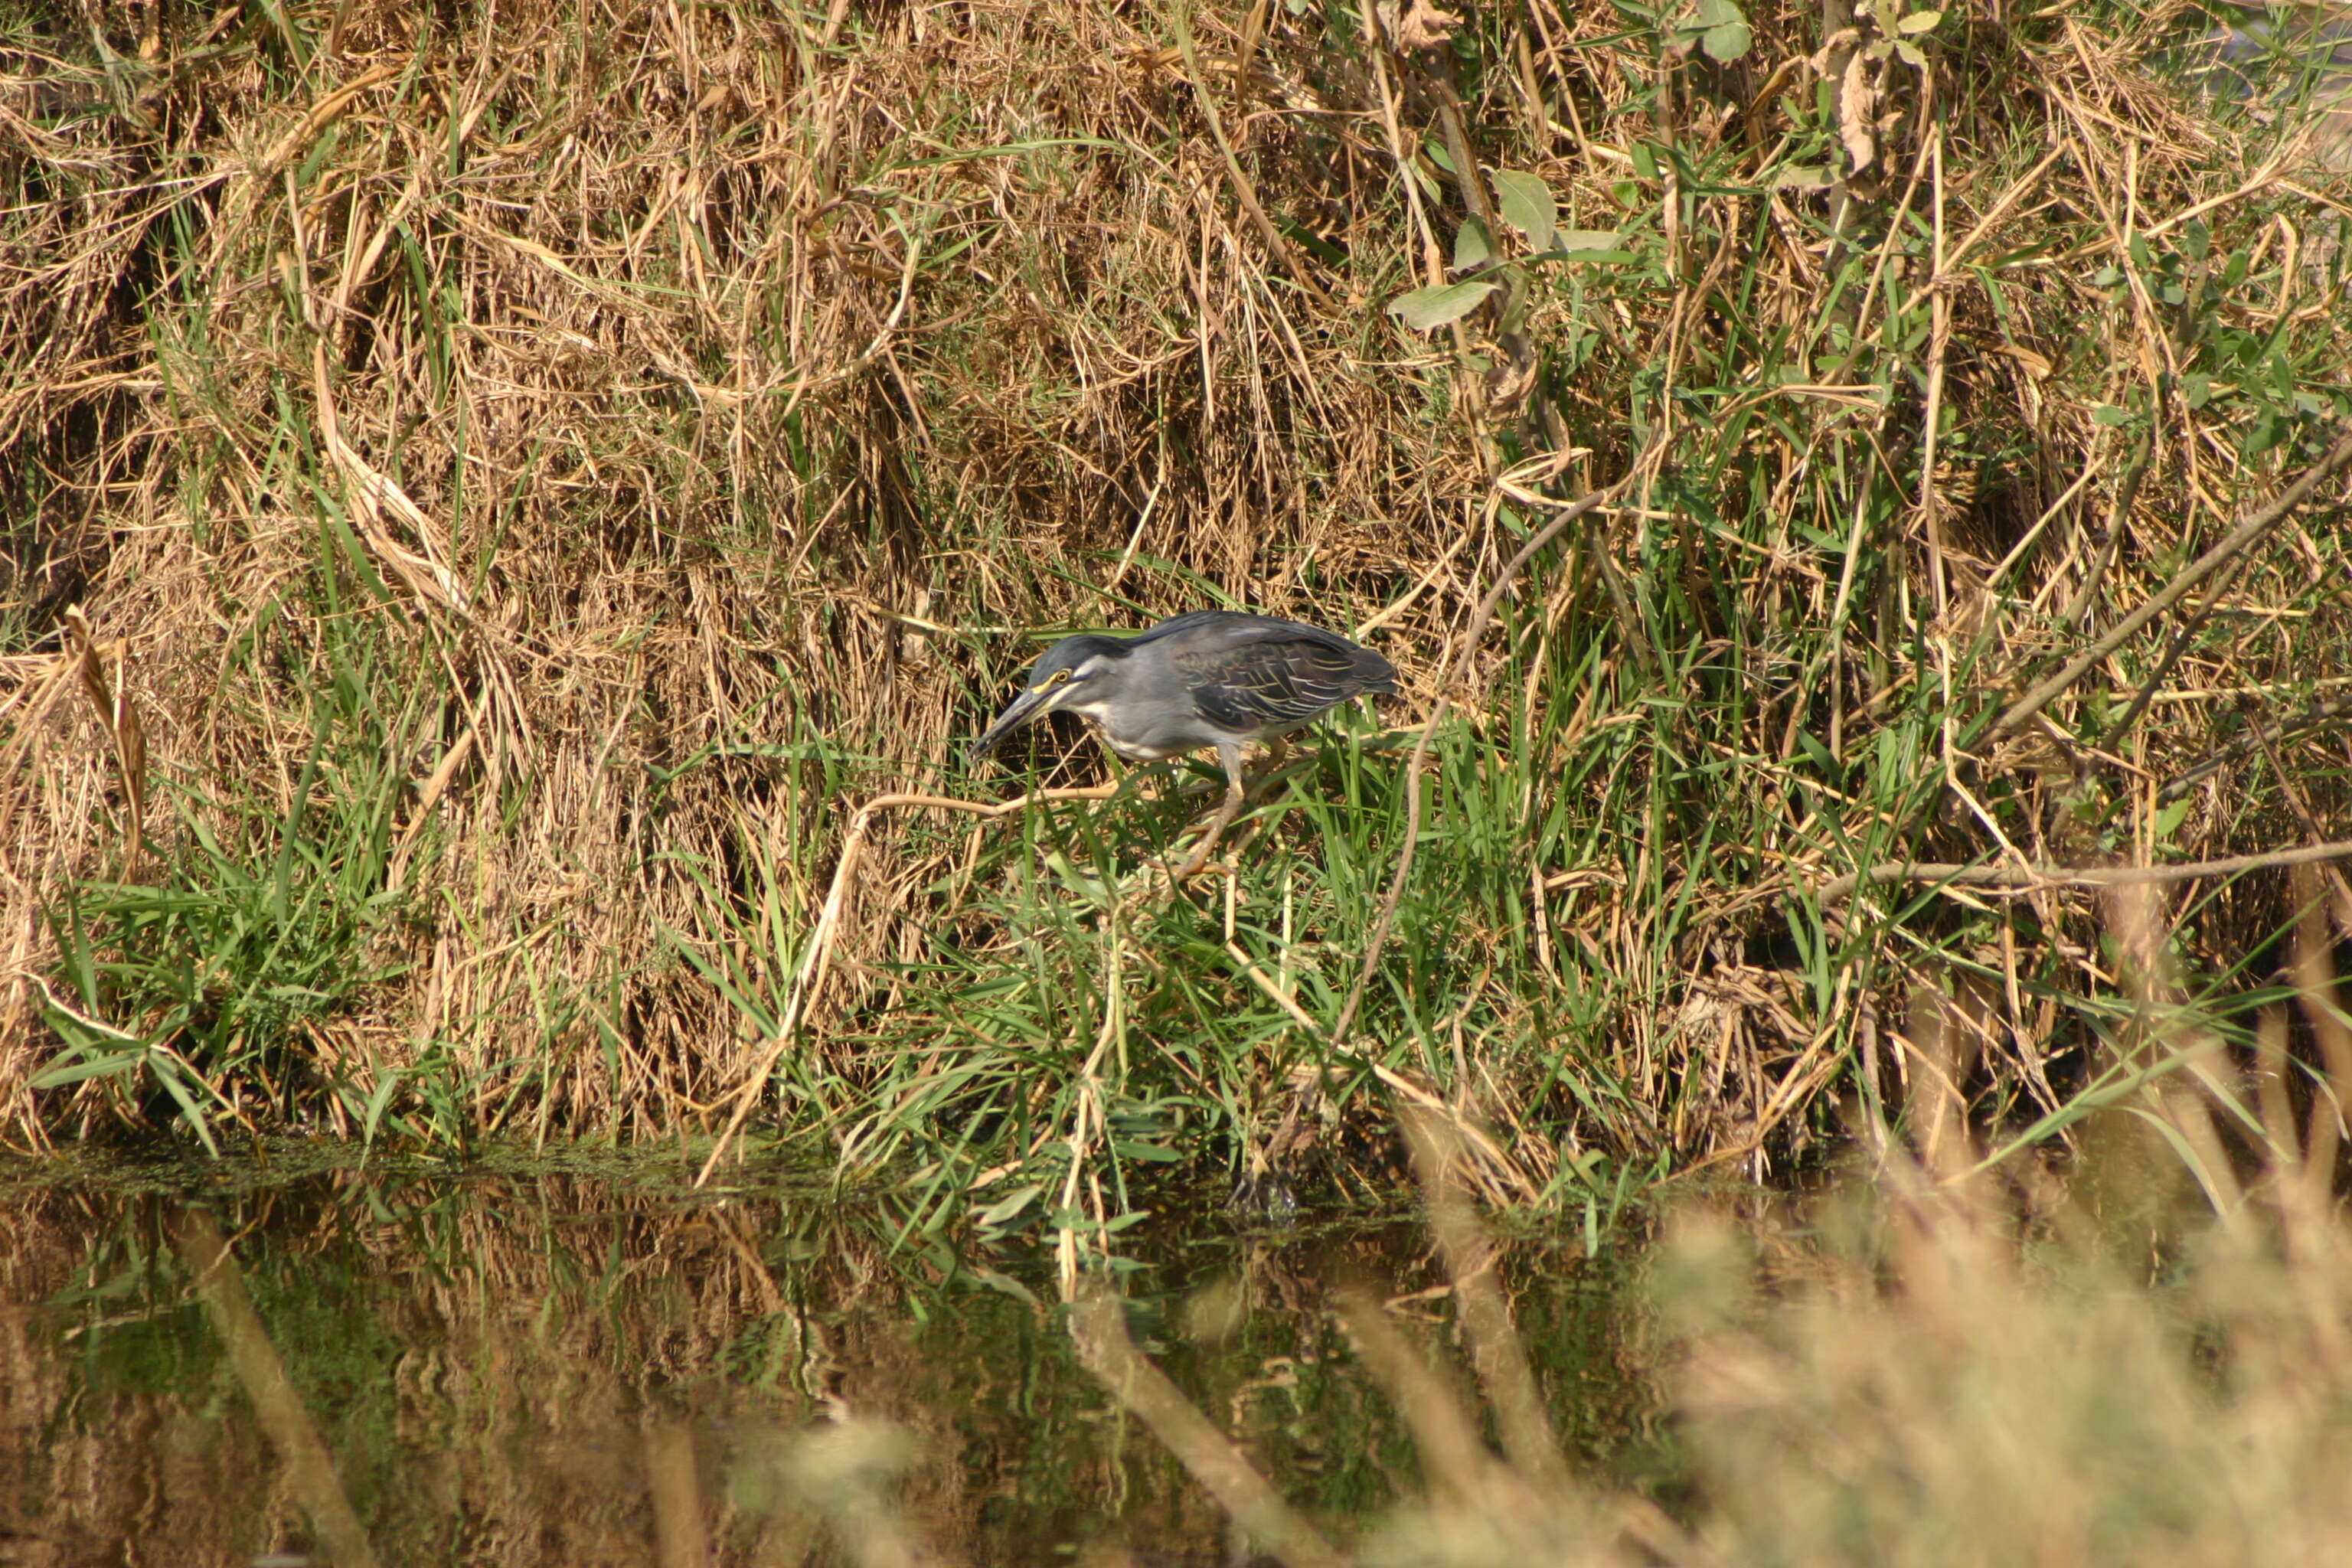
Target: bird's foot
{"x":1196,"y":864}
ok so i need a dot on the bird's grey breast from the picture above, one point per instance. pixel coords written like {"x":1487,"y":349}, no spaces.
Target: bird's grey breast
{"x":1146,"y":732}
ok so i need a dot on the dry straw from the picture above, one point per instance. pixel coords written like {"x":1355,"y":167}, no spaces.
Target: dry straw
{"x":526,"y":475}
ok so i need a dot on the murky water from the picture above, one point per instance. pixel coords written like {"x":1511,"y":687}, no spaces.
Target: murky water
{"x":240,"y":1365}
{"x":2297,"y":57}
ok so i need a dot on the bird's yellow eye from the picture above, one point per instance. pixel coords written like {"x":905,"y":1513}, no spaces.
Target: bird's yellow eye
{"x":1057,"y":677}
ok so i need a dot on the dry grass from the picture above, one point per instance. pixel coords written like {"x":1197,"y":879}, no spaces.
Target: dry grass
{"x":531,"y":472}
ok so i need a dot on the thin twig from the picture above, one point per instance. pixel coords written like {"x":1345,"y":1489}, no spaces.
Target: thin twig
{"x":1453,"y":1455}
{"x":2204,"y":566}
{"x":2319,"y":712}
{"x":1495,"y":1348}
{"x":2302,"y":809}
{"x":1415,"y":1098}
{"x":2127,"y":494}
{"x":119,"y":715}
{"x":1099,"y":1329}
{"x":2182,"y":637}
{"x":277,"y":1406}
{"x":1244,"y":191}
{"x":2026,"y":878}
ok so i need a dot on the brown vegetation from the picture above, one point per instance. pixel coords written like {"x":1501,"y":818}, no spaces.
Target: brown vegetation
{"x":530,"y":472}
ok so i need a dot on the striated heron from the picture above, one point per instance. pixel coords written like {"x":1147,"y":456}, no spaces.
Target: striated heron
{"x":1214,"y":678}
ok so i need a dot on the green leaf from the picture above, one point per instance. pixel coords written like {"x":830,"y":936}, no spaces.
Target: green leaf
{"x":97,"y":1067}
{"x":995,"y":1280}
{"x":1528,"y":205}
{"x":1078,"y":883}
{"x":1472,"y":248}
{"x":190,"y":1112}
{"x":1911,"y":53}
{"x":1820,"y":755}
{"x":1725,"y":34}
{"x":1007,"y":1207}
{"x":2107,"y":414}
{"x":1426,"y":309}
{"x":386,"y":1087}
{"x":1585,"y":239}
{"x":1920,"y":22}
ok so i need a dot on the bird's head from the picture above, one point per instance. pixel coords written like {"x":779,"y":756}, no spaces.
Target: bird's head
{"x":1071,"y":674}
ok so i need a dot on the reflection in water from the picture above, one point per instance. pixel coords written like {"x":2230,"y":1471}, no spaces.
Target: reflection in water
{"x":372,"y":1367}
{"x":276,"y":1407}
{"x":2296,"y":58}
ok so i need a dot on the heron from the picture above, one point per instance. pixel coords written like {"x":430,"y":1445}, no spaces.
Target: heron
{"x":1212,"y":677}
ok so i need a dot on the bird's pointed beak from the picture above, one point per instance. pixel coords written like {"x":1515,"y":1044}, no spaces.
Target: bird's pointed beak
{"x":1037,"y":699}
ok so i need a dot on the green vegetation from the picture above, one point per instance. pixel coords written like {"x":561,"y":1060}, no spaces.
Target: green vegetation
{"x":534,"y":475}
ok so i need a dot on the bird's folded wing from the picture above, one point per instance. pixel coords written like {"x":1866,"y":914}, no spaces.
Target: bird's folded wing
{"x":1269,"y":682}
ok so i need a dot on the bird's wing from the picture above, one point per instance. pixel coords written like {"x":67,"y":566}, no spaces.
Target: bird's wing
{"x":1275,"y":676}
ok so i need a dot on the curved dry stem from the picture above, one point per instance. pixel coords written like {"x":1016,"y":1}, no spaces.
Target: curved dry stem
{"x":817,"y":961}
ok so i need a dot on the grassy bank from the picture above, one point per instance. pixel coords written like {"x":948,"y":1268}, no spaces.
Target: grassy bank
{"x":529,"y":476}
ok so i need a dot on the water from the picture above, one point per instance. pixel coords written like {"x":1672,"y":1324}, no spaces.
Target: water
{"x":2296,"y":54}
{"x":308,"y":1362}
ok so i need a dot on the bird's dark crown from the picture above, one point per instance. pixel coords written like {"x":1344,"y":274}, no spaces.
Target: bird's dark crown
{"x":1071,"y":652}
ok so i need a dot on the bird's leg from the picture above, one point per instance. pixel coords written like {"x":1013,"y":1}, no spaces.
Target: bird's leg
{"x":1231,"y":757}
{"x":1272,"y":769}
